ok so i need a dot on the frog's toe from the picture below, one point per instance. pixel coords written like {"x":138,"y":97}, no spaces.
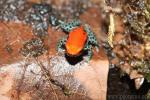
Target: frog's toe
{"x":97,"y":48}
{"x":86,"y":59}
{"x":60,"y":50}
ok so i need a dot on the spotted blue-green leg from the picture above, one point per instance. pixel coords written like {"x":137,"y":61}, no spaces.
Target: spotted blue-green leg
{"x":60,"y":44}
{"x":91,"y":37}
{"x":70,"y":25}
{"x":88,"y":48}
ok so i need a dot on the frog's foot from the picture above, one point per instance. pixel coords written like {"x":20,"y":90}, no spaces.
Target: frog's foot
{"x":70,"y":25}
{"x":60,"y":45}
{"x":88,"y":57}
{"x":88,"y":48}
{"x":60,"y":50}
{"x":97,"y":48}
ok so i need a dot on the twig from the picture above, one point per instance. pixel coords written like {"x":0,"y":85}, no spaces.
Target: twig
{"x":22,"y":79}
{"x":47,"y":76}
{"x":111,"y":30}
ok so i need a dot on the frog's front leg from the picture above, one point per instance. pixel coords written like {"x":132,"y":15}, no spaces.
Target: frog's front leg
{"x":88,"y":48}
{"x":91,"y":36}
{"x":67,"y":27}
{"x":61,"y":44}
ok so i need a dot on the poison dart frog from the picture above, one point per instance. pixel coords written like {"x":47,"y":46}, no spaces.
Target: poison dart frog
{"x":79,"y":38}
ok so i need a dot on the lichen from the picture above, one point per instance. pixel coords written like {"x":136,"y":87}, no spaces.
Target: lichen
{"x":33,"y":48}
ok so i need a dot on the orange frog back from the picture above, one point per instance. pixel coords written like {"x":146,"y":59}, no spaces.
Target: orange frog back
{"x":76,"y":41}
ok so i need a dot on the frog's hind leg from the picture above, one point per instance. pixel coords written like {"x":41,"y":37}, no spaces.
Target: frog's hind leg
{"x":88,"y":48}
{"x":60,"y":44}
{"x":91,"y":36}
{"x":67,"y":27}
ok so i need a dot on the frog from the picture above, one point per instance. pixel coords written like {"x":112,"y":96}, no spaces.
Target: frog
{"x":80,"y":38}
